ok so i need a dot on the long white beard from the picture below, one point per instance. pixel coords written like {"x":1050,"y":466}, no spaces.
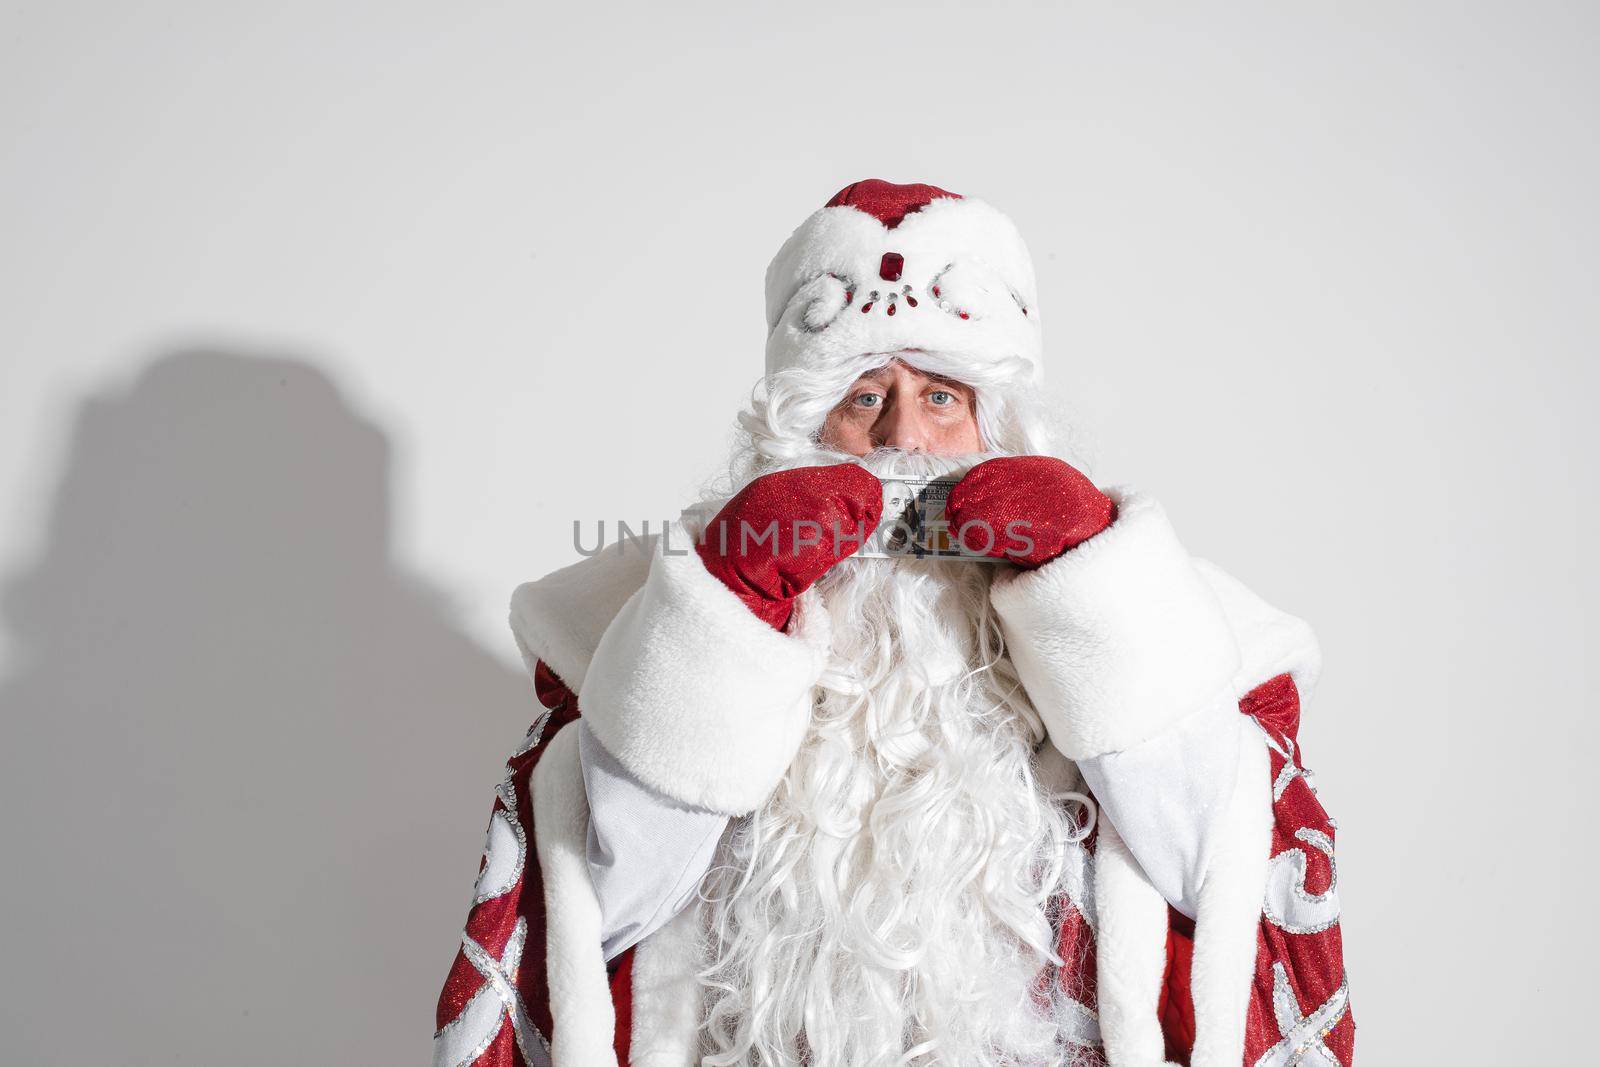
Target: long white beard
{"x":887,"y":905}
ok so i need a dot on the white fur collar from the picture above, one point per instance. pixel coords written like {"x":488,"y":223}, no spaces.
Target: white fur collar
{"x":559,"y":618}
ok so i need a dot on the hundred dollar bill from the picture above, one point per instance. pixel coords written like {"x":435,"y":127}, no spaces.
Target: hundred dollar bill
{"x":912,"y":527}
{"x":913,"y":524}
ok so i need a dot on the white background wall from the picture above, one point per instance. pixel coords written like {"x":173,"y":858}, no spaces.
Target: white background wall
{"x":321,"y":322}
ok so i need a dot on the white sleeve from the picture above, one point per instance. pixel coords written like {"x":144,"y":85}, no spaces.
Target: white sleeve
{"x":1166,"y":797}
{"x":646,"y":852}
{"x":1129,"y":657}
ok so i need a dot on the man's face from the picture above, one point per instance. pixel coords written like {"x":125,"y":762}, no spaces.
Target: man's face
{"x":898,"y":406}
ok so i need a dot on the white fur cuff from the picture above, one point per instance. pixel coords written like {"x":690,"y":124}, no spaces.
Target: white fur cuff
{"x":696,"y":696}
{"x":1118,"y":638}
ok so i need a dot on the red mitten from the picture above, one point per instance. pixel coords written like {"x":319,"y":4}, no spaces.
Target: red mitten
{"x":1002,"y":504}
{"x":822,"y":515}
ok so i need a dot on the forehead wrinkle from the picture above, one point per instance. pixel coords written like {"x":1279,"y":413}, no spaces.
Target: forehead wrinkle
{"x":878,"y":374}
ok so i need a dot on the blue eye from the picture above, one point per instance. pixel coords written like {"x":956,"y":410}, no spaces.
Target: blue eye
{"x":941,"y":398}
{"x":868,"y":400}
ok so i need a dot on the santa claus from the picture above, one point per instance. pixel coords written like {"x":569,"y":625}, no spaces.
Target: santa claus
{"x":1034,"y":801}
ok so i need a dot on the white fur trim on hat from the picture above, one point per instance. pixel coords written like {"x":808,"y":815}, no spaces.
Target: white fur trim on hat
{"x":820,"y":308}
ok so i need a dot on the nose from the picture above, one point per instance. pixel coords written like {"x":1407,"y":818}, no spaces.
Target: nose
{"x":905,"y":427}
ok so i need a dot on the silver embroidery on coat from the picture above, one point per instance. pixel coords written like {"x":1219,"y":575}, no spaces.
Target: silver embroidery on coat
{"x":466,"y":1037}
{"x":1288,"y":905}
{"x":1302,"y":1042}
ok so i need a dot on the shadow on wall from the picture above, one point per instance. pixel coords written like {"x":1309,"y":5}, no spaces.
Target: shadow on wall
{"x":246,"y":762}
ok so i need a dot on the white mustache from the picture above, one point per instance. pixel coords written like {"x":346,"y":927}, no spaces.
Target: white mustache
{"x":898,"y":463}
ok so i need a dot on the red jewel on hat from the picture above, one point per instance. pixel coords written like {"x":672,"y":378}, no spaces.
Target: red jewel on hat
{"x":889,"y":267}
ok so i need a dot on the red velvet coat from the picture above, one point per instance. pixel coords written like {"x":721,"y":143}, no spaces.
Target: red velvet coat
{"x":1299,"y":996}
{"x":1258,"y":979}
